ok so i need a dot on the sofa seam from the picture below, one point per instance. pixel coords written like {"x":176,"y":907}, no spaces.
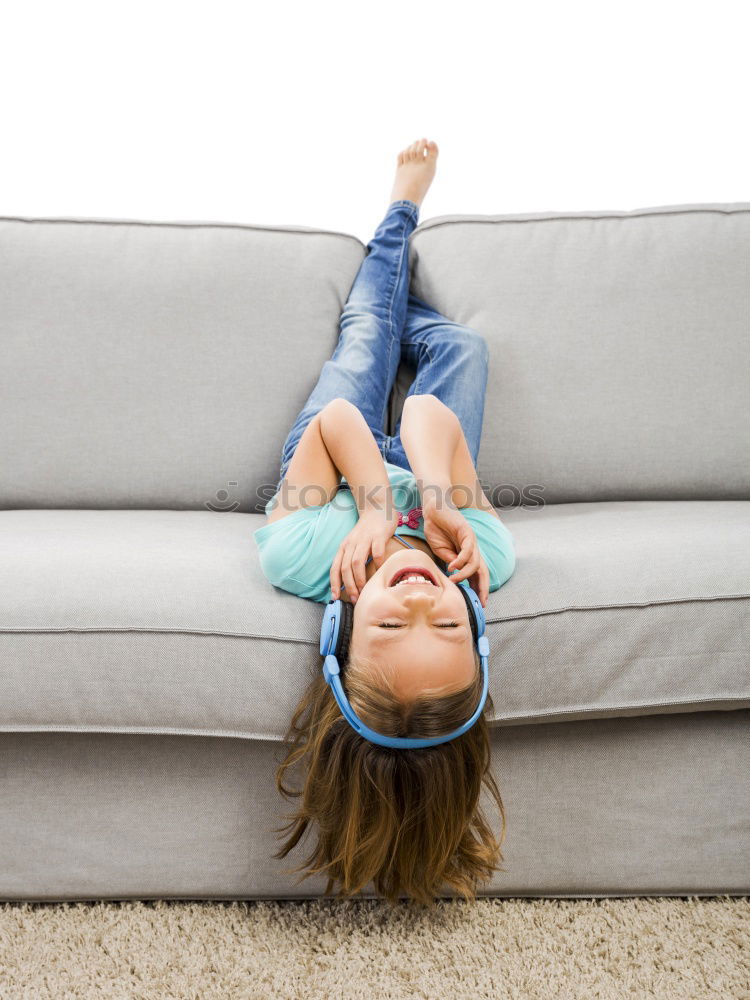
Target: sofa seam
{"x":315,"y":642}
{"x":66,"y":220}
{"x":238,"y":734}
{"x":312,"y":230}
{"x":626,"y":604}
{"x":635,"y":706}
{"x":574,"y":217}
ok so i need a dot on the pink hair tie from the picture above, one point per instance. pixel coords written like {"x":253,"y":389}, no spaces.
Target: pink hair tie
{"x":410,"y":520}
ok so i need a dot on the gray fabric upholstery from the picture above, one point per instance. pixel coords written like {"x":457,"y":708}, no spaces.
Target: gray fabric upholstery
{"x":195,"y":331}
{"x":159,"y":364}
{"x":149,"y":373}
{"x":619,"y":346}
{"x":601,"y":807}
{"x":161,"y":622}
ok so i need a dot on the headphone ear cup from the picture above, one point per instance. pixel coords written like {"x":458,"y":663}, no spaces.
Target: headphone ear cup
{"x":345,"y":633}
{"x":472,"y":614}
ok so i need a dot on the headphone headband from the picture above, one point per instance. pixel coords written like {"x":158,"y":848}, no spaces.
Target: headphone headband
{"x":335,"y":634}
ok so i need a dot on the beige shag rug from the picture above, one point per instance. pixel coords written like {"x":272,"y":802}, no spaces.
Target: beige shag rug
{"x":686,"y":948}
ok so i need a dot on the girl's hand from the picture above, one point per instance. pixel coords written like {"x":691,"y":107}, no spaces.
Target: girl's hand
{"x":452,"y":539}
{"x":370,"y":534}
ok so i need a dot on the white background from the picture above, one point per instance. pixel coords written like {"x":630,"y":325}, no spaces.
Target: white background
{"x":293,"y":113}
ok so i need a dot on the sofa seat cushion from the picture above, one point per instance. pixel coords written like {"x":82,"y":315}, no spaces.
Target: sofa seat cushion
{"x":160,"y":621}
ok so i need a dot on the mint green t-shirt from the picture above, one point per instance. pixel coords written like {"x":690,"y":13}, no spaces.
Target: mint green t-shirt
{"x":297,"y":551}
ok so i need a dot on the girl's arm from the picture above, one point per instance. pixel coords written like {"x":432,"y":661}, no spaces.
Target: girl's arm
{"x":439,"y":456}
{"x":440,"y":460}
{"x":337,"y":442}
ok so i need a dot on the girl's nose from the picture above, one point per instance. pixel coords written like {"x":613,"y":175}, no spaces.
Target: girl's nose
{"x":421,"y":597}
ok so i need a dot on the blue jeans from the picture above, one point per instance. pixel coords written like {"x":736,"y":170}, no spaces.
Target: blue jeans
{"x":382,"y":323}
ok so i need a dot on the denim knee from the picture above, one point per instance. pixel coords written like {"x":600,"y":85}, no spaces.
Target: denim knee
{"x":475,"y":344}
{"x":468,"y":343}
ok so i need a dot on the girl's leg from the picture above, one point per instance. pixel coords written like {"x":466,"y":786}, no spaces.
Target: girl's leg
{"x":364,"y":364}
{"x":451,"y":362}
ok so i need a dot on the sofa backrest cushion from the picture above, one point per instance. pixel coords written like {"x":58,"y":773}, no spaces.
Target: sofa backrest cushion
{"x":159,"y":364}
{"x":619,"y":347}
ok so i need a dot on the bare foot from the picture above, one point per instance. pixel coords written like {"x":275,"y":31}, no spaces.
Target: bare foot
{"x":416,"y":168}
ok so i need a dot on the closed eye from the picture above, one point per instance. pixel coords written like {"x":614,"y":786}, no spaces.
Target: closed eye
{"x":398,"y":625}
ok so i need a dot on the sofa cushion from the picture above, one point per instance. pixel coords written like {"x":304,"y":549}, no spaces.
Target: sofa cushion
{"x":158,"y":364}
{"x":160,"y":621}
{"x":619,"y":347}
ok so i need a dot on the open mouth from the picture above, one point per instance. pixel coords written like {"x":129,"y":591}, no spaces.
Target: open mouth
{"x":413,"y":574}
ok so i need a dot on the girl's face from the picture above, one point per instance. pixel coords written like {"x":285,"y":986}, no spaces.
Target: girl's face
{"x":419,"y":627}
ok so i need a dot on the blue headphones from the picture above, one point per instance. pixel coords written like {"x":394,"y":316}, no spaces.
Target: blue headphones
{"x":335,"y":635}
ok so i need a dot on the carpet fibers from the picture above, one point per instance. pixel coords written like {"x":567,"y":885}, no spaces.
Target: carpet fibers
{"x":686,"y":948}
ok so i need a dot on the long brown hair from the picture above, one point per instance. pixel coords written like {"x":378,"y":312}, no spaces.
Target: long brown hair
{"x":407,"y":820}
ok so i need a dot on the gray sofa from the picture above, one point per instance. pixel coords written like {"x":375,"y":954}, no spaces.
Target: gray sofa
{"x":149,"y":373}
